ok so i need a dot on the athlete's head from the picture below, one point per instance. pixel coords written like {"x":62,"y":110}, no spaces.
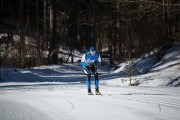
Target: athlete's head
{"x":92,"y":51}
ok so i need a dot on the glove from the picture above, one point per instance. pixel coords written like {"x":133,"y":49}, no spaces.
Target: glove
{"x":84,"y":64}
{"x":89,"y":64}
{"x":96,"y":63}
{"x":99,"y":63}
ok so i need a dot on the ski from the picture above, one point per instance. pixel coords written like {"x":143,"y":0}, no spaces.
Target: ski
{"x":90,"y":94}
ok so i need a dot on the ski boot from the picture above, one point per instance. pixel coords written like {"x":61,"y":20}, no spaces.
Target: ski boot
{"x":89,"y":92}
{"x":97,"y":91}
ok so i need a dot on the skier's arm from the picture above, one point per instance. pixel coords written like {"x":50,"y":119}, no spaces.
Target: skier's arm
{"x":83,"y":59}
{"x":98,"y":61}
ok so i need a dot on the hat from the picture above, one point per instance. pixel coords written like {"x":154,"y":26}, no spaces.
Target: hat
{"x":92,"y":49}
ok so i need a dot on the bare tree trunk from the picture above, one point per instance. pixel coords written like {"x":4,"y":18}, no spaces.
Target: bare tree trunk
{"x":22,"y":42}
{"x":51,"y":22}
{"x":100,"y":35}
{"x":119,"y":42}
{"x":115,"y":40}
{"x":176,"y":25}
{"x":37,"y":19}
{"x":163,"y":19}
{"x":78,"y":26}
{"x":38,"y":48}
{"x":170,"y":33}
{"x":45,"y":24}
{"x":53,"y":44}
{"x":110,"y":45}
{"x":94,"y":38}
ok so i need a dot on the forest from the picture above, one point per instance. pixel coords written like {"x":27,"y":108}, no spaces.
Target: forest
{"x":33,"y":31}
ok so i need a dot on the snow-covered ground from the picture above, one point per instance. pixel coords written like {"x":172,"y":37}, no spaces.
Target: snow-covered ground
{"x":71,"y":102}
{"x":166,"y":72}
{"x":59,"y":92}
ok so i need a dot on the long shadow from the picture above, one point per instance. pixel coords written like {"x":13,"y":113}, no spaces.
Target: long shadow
{"x":37,"y":85}
{"x":50,"y":71}
{"x":47,"y":75}
{"x":164,"y":62}
{"x":44,"y":75}
{"x":33,"y":78}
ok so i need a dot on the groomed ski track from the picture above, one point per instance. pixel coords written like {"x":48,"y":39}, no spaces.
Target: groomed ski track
{"x":71,"y":102}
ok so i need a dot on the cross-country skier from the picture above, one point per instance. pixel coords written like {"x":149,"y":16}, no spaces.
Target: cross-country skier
{"x":89,"y":62}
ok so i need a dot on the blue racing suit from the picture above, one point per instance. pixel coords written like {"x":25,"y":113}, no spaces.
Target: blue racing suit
{"x":89,"y":64}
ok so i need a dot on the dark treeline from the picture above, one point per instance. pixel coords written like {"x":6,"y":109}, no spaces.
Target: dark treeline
{"x":128,"y":28}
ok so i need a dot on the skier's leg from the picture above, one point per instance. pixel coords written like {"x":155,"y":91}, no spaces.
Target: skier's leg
{"x":94,"y":69}
{"x":96,"y":82}
{"x":88,"y":80}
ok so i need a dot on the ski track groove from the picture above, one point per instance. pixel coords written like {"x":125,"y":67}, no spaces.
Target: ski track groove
{"x":73,"y":107}
{"x":159,"y":91}
{"x":52,"y":107}
{"x":153,"y":101}
{"x":122,"y":107}
{"x":62,"y":113}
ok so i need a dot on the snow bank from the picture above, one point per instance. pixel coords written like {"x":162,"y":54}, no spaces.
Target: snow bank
{"x":164,"y":73}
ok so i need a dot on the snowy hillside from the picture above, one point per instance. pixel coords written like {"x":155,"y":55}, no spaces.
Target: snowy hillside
{"x":166,"y":72}
{"x":57,"y":92}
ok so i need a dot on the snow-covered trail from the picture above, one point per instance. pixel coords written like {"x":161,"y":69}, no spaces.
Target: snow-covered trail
{"x":71,"y":102}
{"x":49,"y":75}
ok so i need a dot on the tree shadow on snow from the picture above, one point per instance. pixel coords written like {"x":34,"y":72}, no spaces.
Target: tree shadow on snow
{"x":39,"y":75}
